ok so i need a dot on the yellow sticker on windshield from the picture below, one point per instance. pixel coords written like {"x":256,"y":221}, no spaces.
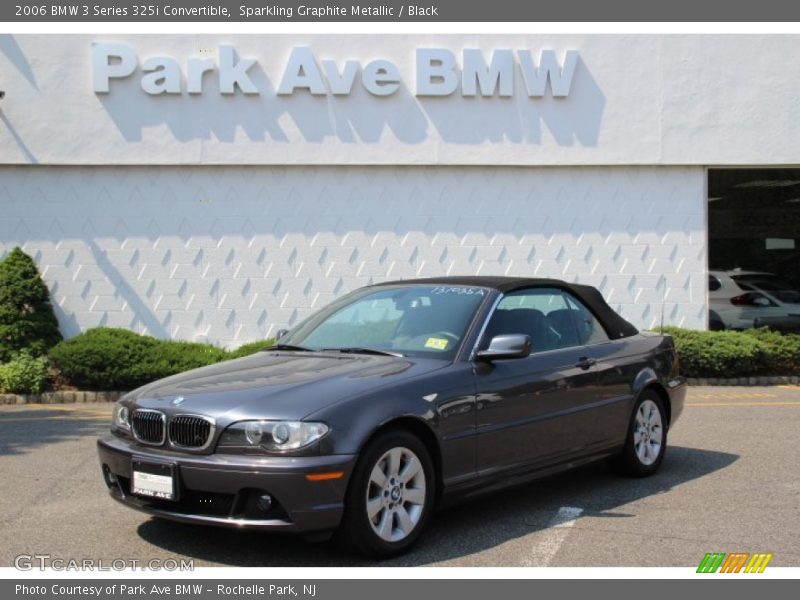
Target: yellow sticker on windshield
{"x":436,"y":343}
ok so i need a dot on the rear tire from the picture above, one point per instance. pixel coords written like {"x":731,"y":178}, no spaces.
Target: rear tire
{"x":646,"y":442}
{"x":390,"y":496}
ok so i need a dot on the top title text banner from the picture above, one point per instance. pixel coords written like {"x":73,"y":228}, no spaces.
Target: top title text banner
{"x":108,"y":11}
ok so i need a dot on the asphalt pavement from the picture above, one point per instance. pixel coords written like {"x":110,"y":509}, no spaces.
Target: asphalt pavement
{"x":729,"y":483}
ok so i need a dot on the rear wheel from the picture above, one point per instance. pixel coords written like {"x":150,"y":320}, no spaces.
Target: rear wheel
{"x":390,"y":496}
{"x":646,"y":442}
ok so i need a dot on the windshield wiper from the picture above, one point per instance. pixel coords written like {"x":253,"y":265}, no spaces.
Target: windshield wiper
{"x":363,"y":351}
{"x":290,"y":347}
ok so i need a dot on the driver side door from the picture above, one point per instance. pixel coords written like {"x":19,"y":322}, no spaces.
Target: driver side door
{"x":531,"y":411}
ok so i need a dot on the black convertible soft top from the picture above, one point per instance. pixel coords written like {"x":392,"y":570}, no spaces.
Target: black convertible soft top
{"x":615,"y":325}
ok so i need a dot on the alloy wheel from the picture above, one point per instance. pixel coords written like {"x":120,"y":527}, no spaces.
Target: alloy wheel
{"x":648,"y":433}
{"x":396,"y":494}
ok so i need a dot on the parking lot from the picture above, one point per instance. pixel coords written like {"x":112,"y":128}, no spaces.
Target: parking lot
{"x":729,"y":483}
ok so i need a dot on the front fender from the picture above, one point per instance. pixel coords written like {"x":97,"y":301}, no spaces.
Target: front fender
{"x":440,"y":407}
{"x":353,"y":422}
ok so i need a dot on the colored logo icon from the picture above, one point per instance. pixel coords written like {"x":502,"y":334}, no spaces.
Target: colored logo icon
{"x":736,"y":562}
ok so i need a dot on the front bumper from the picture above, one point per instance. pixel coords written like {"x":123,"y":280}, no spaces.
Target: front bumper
{"x":221,"y":489}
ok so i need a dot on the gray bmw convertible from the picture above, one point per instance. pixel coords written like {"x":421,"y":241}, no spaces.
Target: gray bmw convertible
{"x":394,"y":400}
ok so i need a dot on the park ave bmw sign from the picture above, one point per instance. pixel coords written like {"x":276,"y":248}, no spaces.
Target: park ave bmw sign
{"x":439,"y":72}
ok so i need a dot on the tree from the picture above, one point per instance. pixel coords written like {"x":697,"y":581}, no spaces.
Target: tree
{"x":27,"y":320}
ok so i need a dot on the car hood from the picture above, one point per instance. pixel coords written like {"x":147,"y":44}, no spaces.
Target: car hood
{"x":277,"y":385}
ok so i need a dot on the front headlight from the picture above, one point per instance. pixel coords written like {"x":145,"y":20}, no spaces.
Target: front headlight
{"x":121,"y":417}
{"x":271,"y":435}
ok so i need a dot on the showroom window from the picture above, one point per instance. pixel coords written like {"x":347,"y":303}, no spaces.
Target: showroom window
{"x":753,"y":253}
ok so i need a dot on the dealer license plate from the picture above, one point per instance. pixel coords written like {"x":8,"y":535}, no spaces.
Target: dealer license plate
{"x":153,"y":479}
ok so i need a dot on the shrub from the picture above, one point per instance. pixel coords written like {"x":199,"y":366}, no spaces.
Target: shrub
{"x":783,"y":350}
{"x":27,"y":320}
{"x":251,"y":348}
{"x":118,"y":359}
{"x":736,"y":353}
{"x":105,"y":358}
{"x":24,"y":374}
{"x":167,"y":357}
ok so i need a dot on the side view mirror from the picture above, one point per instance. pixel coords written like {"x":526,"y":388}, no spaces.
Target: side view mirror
{"x":280,"y":334}
{"x":512,"y":345}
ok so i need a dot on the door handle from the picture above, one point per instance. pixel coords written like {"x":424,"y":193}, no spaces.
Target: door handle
{"x":586,"y":362}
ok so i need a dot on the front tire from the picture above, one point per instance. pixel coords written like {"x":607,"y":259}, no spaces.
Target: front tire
{"x":646,"y":442}
{"x":390,"y":496}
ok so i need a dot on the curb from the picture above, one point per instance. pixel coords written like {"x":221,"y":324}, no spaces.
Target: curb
{"x":60,"y":397}
{"x":764,"y":380}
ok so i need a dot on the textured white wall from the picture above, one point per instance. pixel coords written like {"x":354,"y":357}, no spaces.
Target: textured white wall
{"x":231,"y":254}
{"x":635,"y":99}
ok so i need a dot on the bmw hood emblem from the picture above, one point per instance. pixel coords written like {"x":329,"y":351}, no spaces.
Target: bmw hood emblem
{"x":178,"y":401}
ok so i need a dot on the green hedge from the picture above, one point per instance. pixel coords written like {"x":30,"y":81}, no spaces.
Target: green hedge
{"x":117,"y":359}
{"x":736,"y":353}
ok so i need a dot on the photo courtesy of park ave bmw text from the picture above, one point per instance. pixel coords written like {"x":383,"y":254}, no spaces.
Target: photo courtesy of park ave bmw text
{"x":221,"y":187}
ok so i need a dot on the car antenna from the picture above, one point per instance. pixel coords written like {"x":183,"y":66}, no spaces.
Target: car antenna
{"x":663,"y":303}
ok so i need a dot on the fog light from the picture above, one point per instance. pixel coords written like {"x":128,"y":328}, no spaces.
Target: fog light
{"x":111,"y":479}
{"x":264,"y":502}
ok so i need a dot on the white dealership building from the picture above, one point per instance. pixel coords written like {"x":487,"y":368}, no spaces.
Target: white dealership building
{"x":219,"y":187}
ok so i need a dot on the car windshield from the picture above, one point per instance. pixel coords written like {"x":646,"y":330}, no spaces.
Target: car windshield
{"x":780,"y":288}
{"x":412,"y":320}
